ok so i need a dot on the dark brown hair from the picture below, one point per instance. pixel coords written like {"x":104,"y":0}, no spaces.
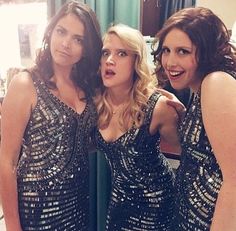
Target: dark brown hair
{"x":207,"y":32}
{"x":84,"y":72}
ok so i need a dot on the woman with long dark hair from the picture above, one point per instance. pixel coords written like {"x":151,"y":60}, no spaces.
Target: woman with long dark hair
{"x":46,"y":120}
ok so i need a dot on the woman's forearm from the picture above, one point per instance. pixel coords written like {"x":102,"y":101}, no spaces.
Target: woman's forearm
{"x":9,"y":197}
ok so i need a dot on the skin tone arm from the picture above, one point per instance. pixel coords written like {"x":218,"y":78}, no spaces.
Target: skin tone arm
{"x":16,"y":109}
{"x":165,"y":119}
{"x":173,"y":101}
{"x":219,"y":115}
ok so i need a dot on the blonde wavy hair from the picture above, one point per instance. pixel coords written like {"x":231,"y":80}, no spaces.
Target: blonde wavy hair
{"x":143,"y":82}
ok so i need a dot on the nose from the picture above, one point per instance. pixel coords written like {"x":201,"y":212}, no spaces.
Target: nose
{"x":66,"y":42}
{"x":171,"y":60}
{"x":110,"y":60}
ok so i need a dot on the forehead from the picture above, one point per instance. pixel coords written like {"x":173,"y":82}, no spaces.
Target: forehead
{"x":71,"y":23}
{"x":112,"y":41}
{"x":177,"y":37}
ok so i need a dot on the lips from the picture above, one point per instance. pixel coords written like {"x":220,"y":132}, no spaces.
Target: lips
{"x":109,"y":73}
{"x":63,"y":53}
{"x":175,"y":74}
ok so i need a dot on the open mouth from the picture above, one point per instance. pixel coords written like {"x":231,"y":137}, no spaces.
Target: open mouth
{"x":109,"y":73}
{"x":175,"y":74}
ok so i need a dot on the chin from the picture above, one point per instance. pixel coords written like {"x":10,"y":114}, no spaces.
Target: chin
{"x":177,"y":87}
{"x":106,"y":84}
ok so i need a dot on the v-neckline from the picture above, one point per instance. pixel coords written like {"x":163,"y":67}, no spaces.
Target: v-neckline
{"x":117,"y":140}
{"x":58,"y":100}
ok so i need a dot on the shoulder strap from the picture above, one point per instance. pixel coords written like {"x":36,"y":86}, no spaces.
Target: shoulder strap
{"x":150,"y":107}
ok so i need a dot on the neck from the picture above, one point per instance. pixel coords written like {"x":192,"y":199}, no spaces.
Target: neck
{"x":117,"y":102}
{"x":62,"y":72}
{"x":117,"y":98}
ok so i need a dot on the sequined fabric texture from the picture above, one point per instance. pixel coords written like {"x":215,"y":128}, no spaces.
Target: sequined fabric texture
{"x":142,"y":180}
{"x":199,"y":177}
{"x":52,"y":172}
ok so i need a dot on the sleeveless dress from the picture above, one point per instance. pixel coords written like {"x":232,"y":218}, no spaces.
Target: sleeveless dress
{"x":142,"y":179}
{"x":199,"y":177}
{"x":53,"y":169}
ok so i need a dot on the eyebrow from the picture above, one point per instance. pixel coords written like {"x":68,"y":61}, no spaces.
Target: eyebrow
{"x":77,"y":35}
{"x":180,"y":47}
{"x":117,"y":50}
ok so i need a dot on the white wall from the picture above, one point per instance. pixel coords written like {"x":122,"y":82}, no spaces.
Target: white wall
{"x":226,"y":10}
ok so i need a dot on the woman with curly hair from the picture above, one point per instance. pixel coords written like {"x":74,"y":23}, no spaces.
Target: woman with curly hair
{"x":133,"y":117}
{"x":193,"y":51}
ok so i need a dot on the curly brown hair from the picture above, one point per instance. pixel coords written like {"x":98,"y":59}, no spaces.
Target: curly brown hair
{"x":207,"y":32}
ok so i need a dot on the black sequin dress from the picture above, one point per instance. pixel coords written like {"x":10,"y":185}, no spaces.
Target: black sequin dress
{"x":142,"y":180}
{"x":53,"y":169}
{"x":199,"y":177}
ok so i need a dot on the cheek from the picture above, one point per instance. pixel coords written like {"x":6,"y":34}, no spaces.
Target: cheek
{"x":77,"y":53}
{"x":102,"y":65}
{"x":130,"y":67}
{"x":192,"y":65}
{"x":53,"y":43}
{"x":163,"y":62}
{"x":53,"y":39}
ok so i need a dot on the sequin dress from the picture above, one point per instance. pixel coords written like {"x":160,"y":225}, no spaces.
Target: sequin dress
{"x":53,"y":172}
{"x":199,"y":177}
{"x":142,"y":180}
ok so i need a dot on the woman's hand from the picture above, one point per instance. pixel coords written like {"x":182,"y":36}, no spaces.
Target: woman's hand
{"x":173,"y":101}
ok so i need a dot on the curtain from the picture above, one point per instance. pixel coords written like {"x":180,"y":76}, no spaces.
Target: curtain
{"x":171,"y":6}
{"x":53,"y":6}
{"x":114,"y":11}
{"x":107,"y":11}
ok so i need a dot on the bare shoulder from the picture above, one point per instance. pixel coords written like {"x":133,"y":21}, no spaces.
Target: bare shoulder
{"x":22,"y":88}
{"x":22,"y":79}
{"x":218,"y":86}
{"x":218,"y":80}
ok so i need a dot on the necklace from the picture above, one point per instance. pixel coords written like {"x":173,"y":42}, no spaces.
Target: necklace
{"x":116,"y":110}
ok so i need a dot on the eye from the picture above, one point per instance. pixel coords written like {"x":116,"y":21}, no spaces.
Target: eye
{"x":183,"y":51}
{"x":122,"y":53}
{"x":105,"y":53}
{"x":165,"y":50}
{"x":60,"y":31}
{"x":79,"y":40}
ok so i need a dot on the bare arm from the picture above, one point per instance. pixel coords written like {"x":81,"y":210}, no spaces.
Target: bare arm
{"x":165,"y":120}
{"x":219,"y":116}
{"x":173,"y":101}
{"x":16,"y":110}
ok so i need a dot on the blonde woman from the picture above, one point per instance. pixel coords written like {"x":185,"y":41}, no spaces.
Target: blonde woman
{"x":133,"y":118}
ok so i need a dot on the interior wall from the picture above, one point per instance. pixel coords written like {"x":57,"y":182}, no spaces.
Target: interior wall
{"x":224,"y":9}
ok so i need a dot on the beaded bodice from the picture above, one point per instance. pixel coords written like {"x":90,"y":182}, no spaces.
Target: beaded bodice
{"x":199,"y":177}
{"x":53,"y":169}
{"x":142,"y":180}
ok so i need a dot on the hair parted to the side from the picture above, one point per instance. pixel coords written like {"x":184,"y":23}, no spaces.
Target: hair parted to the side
{"x":207,"y":32}
{"x":143,"y":81}
{"x":84,"y":72}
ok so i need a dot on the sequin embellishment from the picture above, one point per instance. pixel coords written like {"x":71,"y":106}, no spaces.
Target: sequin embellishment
{"x":52,"y":173}
{"x":142,"y":180}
